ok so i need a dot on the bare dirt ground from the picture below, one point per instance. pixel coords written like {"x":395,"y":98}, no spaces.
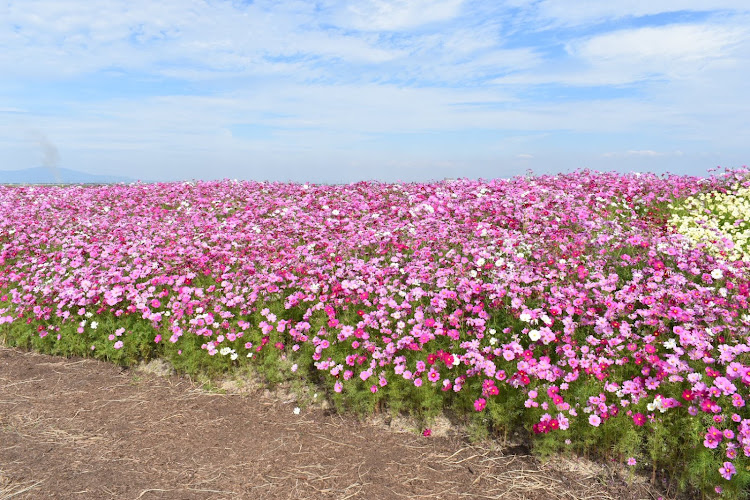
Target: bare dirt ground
{"x":84,"y":429}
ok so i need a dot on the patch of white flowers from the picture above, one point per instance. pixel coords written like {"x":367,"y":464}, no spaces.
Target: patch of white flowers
{"x":720,"y":221}
{"x":228,"y":351}
{"x":656,"y":405}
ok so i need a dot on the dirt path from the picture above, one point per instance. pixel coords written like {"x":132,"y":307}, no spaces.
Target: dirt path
{"x":72,"y":428}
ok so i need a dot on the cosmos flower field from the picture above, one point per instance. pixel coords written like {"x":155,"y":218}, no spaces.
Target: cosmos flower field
{"x":568,"y":308}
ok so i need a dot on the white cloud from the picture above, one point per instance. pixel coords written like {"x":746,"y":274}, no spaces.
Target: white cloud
{"x":627,"y":56}
{"x":662,"y":48}
{"x":69,"y":38}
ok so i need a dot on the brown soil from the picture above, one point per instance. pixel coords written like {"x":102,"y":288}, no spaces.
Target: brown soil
{"x":79,"y":428}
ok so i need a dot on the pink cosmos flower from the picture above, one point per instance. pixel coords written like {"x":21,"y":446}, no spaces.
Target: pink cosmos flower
{"x":595,"y":420}
{"x":480,"y":404}
{"x":727,"y":470}
{"x":713,"y":437}
{"x":737,"y":400}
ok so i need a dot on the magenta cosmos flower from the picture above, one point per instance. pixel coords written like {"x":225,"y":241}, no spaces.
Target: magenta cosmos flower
{"x":639,"y":419}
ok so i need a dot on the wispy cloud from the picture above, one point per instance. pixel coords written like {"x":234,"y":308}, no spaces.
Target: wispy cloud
{"x":391,"y":15}
{"x":646,"y":153}
{"x":574,"y":13}
{"x":10,"y":110}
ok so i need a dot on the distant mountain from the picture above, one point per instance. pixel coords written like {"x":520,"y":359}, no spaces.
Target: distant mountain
{"x":46,"y":175}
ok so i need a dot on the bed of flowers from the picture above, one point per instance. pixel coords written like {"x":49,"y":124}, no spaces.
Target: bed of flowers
{"x":568,"y":307}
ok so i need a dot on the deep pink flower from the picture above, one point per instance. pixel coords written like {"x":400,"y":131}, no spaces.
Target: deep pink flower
{"x":639,"y":419}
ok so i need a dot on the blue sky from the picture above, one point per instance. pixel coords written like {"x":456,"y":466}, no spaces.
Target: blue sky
{"x":337,"y":91}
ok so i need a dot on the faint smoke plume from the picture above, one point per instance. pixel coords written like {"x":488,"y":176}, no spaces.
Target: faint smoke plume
{"x":50,"y":155}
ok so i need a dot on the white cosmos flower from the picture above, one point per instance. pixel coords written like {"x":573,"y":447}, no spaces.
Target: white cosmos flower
{"x":535,"y":335}
{"x":717,"y":274}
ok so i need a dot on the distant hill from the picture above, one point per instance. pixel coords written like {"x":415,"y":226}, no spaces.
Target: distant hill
{"x":45,"y":175}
